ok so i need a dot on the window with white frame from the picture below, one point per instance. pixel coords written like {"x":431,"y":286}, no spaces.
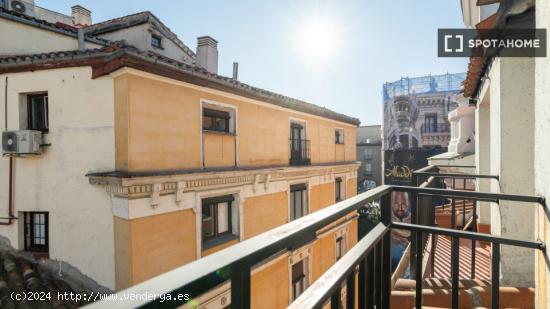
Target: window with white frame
{"x":298,"y":201}
{"x":340,"y":247}
{"x":218,"y":118}
{"x":299,"y":279}
{"x":339,"y":193}
{"x":339,"y":136}
{"x":219,"y":219}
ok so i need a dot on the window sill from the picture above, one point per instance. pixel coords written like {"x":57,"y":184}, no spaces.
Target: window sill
{"x":339,"y":143}
{"x":218,"y":241}
{"x":218,"y":132}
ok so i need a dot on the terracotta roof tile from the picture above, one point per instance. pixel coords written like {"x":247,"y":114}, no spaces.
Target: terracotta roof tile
{"x":477,"y":65}
{"x":20,"y":275}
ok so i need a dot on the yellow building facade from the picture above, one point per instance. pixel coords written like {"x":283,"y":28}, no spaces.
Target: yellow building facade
{"x":169,"y":164}
{"x":200,"y":162}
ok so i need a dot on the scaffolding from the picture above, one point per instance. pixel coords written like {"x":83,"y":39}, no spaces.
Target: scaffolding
{"x":450,"y":82}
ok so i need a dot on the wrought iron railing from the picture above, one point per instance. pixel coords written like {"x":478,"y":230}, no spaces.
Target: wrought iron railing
{"x":300,"y":153}
{"x":435,"y":128}
{"x":371,"y":256}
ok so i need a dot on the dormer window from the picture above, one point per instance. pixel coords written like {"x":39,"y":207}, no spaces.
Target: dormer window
{"x":156,"y":41}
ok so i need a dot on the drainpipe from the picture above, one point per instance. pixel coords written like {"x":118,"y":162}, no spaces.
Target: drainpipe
{"x":10,"y":176}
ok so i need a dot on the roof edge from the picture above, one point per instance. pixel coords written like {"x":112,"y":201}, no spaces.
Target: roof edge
{"x":110,"y":59}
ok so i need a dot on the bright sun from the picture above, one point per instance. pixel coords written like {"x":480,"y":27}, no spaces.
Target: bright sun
{"x":317,"y":40}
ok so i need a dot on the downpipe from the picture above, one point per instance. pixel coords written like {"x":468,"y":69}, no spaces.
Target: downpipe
{"x":11,"y":163}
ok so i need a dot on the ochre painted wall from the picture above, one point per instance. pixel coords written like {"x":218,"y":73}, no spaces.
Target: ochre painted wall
{"x":351,"y":187}
{"x":264,"y":212}
{"x":339,"y":152}
{"x":270,"y":286}
{"x":324,"y":255}
{"x":219,"y":149}
{"x":123,"y":276}
{"x":149,"y":246}
{"x":321,"y":196}
{"x":121,"y":123}
{"x":157,"y":125}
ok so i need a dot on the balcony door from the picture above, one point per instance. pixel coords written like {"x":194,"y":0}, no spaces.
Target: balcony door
{"x":297,"y":137}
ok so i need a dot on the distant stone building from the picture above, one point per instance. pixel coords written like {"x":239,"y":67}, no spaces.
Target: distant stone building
{"x":369,"y":152}
{"x":416,"y":109}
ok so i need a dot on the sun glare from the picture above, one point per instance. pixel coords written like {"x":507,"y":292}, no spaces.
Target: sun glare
{"x":318,"y":39}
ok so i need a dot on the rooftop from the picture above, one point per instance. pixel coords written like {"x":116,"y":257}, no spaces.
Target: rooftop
{"x":116,"y":56}
{"x":134,"y":20}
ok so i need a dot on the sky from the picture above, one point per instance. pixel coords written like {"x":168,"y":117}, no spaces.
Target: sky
{"x":335,"y":54}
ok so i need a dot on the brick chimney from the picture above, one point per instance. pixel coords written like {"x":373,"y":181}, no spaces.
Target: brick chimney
{"x":81,"y":16}
{"x":207,"y":54}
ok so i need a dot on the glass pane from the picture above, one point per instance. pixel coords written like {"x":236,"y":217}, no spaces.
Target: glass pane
{"x":304,"y":202}
{"x":297,"y":271}
{"x":298,"y":204}
{"x":207,"y":221}
{"x":223,"y":217}
{"x":207,"y":123}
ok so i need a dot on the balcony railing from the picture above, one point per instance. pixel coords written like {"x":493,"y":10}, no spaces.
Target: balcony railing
{"x":371,"y":255}
{"x":300,"y":152}
{"x":435,"y":128}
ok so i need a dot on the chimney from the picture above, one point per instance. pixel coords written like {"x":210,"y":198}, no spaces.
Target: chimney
{"x":235,"y":70}
{"x":81,"y":16}
{"x":207,"y":54}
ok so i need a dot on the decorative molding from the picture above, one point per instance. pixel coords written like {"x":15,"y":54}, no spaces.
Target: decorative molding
{"x":155,"y":195}
{"x":155,"y":186}
{"x":181,"y":185}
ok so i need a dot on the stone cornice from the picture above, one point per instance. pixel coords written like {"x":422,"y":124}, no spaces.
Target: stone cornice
{"x":154,"y":186}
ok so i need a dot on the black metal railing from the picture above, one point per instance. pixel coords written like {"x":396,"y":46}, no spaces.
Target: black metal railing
{"x":371,"y":256}
{"x":423,"y":211}
{"x":435,"y":128}
{"x":300,"y":153}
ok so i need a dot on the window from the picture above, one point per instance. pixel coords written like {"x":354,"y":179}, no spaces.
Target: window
{"x":156,"y":41}
{"x":215,"y":120}
{"x":339,"y":136}
{"x":217,"y":217}
{"x":36,"y":231}
{"x":338,"y":189}
{"x":368,"y":168}
{"x":340,"y":247}
{"x":430,"y":123}
{"x":298,"y":201}
{"x":37,"y":112}
{"x":299,"y":145}
{"x":368,"y":154}
{"x":299,"y":278}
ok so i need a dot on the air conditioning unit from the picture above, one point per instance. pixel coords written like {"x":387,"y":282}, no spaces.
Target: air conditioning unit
{"x":21,"y":142}
{"x":20,"y":6}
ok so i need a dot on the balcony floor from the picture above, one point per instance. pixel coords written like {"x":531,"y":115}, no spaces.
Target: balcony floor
{"x":442,"y":266}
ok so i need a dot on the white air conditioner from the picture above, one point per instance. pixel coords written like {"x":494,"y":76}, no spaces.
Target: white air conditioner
{"x":21,"y":142}
{"x":20,"y":6}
